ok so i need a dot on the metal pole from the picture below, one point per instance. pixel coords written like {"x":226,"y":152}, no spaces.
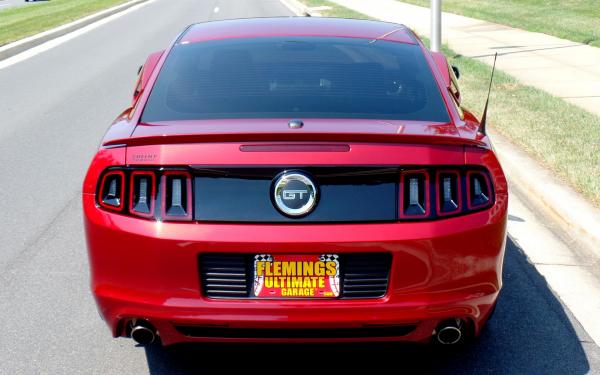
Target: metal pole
{"x":436,"y":25}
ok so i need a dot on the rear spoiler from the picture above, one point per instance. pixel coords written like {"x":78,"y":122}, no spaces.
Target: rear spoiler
{"x":287,"y":137}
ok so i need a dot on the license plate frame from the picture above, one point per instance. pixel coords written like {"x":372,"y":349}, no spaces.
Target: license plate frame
{"x":296,"y":276}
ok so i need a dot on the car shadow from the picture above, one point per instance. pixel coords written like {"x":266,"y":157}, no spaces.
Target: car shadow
{"x":530,"y":333}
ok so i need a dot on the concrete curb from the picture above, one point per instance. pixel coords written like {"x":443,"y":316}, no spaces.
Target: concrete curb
{"x":24,"y":44}
{"x":553,"y":199}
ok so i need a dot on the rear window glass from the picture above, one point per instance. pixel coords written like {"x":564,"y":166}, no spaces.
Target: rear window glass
{"x":303,"y":77}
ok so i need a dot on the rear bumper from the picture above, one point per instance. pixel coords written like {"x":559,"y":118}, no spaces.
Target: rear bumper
{"x":356,"y":322}
{"x":442,"y":269}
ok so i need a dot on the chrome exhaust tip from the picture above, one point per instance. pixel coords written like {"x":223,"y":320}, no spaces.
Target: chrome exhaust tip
{"x":143,"y":334}
{"x":450,"y":332}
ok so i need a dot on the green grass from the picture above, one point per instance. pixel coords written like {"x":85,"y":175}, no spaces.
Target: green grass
{"x":562,"y":136}
{"x":576,"y":20}
{"x":21,"y":22}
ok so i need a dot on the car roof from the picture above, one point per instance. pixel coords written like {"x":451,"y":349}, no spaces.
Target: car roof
{"x":297,"y":26}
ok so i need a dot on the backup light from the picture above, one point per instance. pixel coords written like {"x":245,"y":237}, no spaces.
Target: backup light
{"x":175,"y":207}
{"x":447,"y":190}
{"x":414,"y":192}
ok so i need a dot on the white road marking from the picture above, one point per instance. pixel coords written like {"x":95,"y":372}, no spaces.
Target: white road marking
{"x":216,"y":10}
{"x":65,"y":38}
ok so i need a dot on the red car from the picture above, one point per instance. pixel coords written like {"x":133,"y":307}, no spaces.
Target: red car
{"x":296,"y":180}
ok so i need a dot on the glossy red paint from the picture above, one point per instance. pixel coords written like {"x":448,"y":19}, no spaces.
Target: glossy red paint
{"x":148,"y":269}
{"x":392,"y":131}
{"x":447,"y":268}
{"x":442,"y":65}
{"x":145,"y":74}
{"x":339,"y":127}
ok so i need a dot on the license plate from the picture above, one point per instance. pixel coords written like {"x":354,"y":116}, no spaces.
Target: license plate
{"x":296,"y":276}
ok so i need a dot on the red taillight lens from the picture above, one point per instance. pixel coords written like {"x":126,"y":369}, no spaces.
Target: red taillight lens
{"x":142,"y":193}
{"x":176,"y":195}
{"x":414,"y":193}
{"x":112,"y":190}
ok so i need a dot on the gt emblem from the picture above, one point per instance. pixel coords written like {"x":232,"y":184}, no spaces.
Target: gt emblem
{"x":294,"y":194}
{"x":291,"y":194}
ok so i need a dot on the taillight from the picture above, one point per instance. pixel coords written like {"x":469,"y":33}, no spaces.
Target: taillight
{"x":448,"y":192}
{"x":414,"y":192}
{"x":177,"y":195}
{"x":152,"y":193}
{"x":423,"y":193}
{"x":433,"y":193}
{"x":479,"y":190}
{"x":142,"y":193}
{"x":112,"y":190}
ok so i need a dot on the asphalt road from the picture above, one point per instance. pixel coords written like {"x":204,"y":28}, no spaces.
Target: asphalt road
{"x":55,"y":107}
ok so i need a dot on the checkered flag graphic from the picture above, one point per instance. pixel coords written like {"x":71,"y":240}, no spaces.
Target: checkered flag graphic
{"x":263,"y":258}
{"x":328,"y":258}
{"x":259,"y":280}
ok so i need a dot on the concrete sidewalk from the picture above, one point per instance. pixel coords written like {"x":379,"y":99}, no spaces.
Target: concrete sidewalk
{"x":563,"y":68}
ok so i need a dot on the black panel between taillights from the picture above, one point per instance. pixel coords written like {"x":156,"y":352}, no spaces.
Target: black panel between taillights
{"x":350,"y":194}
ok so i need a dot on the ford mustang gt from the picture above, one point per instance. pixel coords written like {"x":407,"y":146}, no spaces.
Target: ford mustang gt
{"x":296,"y":180}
